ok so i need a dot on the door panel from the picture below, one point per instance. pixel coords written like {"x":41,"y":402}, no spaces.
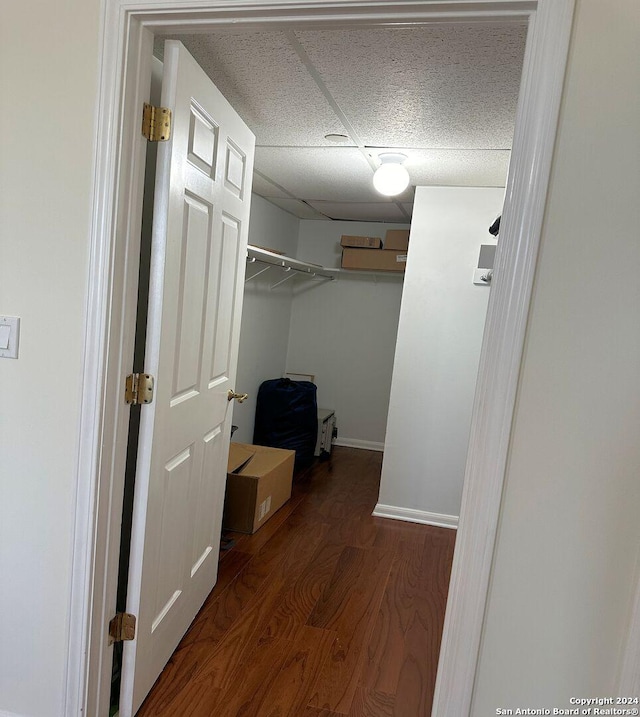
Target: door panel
{"x":201,"y":215}
{"x":191,"y":307}
{"x":221,"y":354}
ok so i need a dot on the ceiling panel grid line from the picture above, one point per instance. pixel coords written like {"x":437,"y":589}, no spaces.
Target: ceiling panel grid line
{"x":313,"y":71}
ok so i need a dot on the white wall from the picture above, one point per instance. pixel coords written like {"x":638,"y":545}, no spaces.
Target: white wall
{"x":48,"y":59}
{"x":564,"y":564}
{"x":569,"y":531}
{"x":264,"y":335}
{"x":438,"y":350}
{"x":344,"y":333}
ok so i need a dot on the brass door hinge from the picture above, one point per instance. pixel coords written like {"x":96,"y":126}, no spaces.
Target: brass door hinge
{"x":138,"y":388}
{"x":156,"y":123}
{"x":122,"y":627}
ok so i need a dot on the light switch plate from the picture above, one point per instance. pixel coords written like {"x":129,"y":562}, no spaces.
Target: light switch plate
{"x":13,"y":324}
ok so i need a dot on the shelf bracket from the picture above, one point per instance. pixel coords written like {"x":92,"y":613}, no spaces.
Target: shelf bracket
{"x":322,"y":279}
{"x":290,"y":275}
{"x":261,"y":271}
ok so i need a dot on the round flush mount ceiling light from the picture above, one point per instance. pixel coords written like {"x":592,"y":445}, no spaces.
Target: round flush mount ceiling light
{"x":391,"y":177}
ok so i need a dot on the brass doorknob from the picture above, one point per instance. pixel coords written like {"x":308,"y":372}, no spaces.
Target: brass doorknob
{"x":240,"y":397}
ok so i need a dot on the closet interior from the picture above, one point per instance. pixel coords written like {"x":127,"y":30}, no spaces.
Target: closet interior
{"x":305,"y":317}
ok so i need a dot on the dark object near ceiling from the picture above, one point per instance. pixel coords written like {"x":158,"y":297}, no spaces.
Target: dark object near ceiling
{"x":495,"y":227}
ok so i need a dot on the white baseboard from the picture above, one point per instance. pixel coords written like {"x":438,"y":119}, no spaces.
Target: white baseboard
{"x":416,"y":516}
{"x":357,"y":443}
{"x":4,"y":713}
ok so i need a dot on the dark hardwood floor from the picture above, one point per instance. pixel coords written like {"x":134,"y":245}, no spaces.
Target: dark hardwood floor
{"x":325,"y":611}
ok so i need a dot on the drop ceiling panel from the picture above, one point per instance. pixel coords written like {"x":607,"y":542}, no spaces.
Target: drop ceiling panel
{"x":297,"y":208}
{"x":362,"y":211}
{"x":450,"y":86}
{"x":325,"y":173}
{"x":265,"y":188}
{"x":263,"y":78}
{"x":463,"y":168}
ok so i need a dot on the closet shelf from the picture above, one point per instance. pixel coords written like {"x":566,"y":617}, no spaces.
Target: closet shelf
{"x":295,"y":267}
{"x":270,"y":258}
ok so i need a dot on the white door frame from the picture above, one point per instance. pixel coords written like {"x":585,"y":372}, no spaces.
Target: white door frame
{"x":128,"y":29}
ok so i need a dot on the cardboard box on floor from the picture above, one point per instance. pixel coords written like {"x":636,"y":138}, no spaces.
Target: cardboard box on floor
{"x":397,"y":240}
{"x":373,"y":260}
{"x":258,"y":483}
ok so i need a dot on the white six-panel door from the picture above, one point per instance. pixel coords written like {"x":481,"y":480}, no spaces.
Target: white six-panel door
{"x":201,"y":214}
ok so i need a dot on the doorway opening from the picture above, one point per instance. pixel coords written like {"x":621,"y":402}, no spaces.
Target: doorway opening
{"x":355,"y":369}
{"x":534,"y":149}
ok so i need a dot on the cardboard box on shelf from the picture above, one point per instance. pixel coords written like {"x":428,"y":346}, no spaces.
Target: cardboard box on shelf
{"x":397,"y":240}
{"x":258,"y":483}
{"x":361,"y":242}
{"x":374,"y":260}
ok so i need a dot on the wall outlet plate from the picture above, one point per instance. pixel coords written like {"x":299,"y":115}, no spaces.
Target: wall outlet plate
{"x":482,"y":277}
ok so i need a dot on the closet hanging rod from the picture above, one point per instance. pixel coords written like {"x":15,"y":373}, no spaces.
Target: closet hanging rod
{"x":285,"y":262}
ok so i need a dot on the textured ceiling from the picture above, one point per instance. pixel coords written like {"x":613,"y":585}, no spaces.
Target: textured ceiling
{"x":445,"y":95}
{"x":441,"y":86}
